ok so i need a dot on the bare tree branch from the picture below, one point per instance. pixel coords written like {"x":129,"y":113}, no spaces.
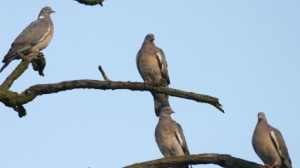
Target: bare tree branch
{"x":223,"y":160}
{"x":16,"y":101}
{"x":33,"y":57}
{"x":38,"y":61}
{"x":19,"y":70}
{"x":91,"y":2}
{"x":13,"y":99}
{"x":103,"y":74}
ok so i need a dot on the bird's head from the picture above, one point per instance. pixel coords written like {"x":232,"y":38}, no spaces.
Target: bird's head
{"x":261,"y":116}
{"x":149,"y":38}
{"x":47,"y":10}
{"x":166,"y":111}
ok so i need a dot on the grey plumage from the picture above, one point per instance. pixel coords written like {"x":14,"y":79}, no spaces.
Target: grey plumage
{"x":169,"y":136}
{"x":35,"y":37}
{"x":152,"y":65}
{"x":269,"y":144}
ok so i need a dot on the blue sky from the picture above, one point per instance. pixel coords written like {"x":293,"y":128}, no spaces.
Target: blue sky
{"x":246,"y":53}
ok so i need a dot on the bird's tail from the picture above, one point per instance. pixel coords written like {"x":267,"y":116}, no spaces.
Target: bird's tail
{"x":7,"y":62}
{"x":160,"y":101}
{"x":287,"y":164}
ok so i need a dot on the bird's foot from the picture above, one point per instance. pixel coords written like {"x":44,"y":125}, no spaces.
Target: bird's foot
{"x":147,"y":83}
{"x":268,"y":166}
{"x":273,"y":165}
{"x":157,"y":81}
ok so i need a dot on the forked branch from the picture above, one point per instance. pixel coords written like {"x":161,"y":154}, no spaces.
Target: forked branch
{"x":16,"y":101}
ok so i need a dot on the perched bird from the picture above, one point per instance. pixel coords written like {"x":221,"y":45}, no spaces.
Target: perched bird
{"x":269,"y":145}
{"x":35,"y":37}
{"x":169,"y":136}
{"x":152,"y":65}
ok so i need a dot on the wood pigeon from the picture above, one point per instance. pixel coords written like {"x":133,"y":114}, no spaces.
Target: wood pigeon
{"x":169,"y":136}
{"x":152,"y":65}
{"x":269,"y":145}
{"x":35,"y":37}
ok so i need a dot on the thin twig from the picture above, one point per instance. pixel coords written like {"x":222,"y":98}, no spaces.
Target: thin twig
{"x":103,"y":73}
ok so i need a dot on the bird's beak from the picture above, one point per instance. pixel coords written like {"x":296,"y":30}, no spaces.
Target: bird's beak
{"x":172,"y":112}
{"x":259,"y":117}
{"x":53,"y":11}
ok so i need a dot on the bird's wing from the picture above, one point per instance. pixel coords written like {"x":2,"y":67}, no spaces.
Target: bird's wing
{"x":33,"y":33}
{"x":181,"y":139}
{"x":163,"y":65}
{"x":280,"y":145}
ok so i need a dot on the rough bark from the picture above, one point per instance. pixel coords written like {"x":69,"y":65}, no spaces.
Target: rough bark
{"x":223,"y":160}
{"x":19,"y":70}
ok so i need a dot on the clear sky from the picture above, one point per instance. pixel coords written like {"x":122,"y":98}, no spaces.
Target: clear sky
{"x":244,"y":53}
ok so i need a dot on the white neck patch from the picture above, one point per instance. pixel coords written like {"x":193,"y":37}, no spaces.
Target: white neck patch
{"x":41,"y":17}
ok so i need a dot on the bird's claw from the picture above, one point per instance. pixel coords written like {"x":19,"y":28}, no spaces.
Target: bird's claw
{"x":273,"y":165}
{"x":147,"y":83}
{"x":157,"y":81}
{"x":267,"y":165}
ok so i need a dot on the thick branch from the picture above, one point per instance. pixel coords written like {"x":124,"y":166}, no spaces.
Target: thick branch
{"x":41,"y":89}
{"x":19,"y":70}
{"x":13,"y":99}
{"x":222,"y":160}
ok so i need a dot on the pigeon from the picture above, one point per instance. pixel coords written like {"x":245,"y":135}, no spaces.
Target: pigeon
{"x":152,"y":65}
{"x":169,"y":136}
{"x":35,"y":37}
{"x":269,"y":145}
